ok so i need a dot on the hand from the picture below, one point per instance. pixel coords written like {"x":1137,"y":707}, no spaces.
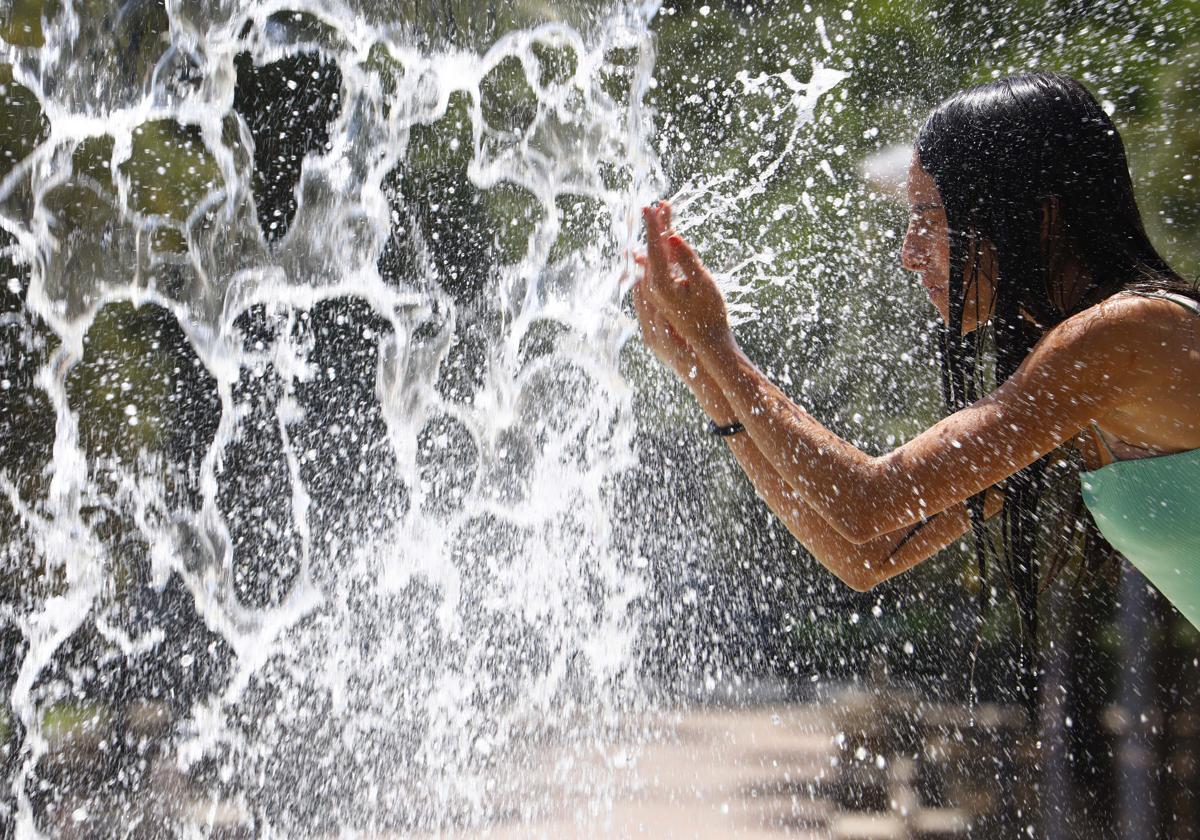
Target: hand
{"x":673,"y":351}
{"x":691,"y":301}
{"x":658,"y":334}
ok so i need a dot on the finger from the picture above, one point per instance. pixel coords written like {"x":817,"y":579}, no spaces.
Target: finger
{"x":666,"y":231}
{"x":653,"y":231}
{"x":655,"y":246}
{"x":643,"y":307}
{"x":685,"y":257}
{"x":640,"y":263}
{"x":638,"y":295}
{"x":632,"y":256}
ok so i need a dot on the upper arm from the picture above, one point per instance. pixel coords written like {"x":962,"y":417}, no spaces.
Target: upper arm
{"x":1079,"y":372}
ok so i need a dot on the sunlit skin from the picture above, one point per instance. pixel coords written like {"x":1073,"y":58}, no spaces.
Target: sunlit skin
{"x":1130,"y":364}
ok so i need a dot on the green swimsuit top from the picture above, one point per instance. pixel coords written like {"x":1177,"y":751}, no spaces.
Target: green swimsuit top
{"x":1149,"y":510}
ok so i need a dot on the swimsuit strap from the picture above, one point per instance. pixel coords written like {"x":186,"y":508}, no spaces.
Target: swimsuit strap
{"x":1183,"y":300}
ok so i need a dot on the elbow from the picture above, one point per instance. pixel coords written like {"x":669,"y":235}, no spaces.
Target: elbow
{"x":853,"y":570}
{"x":855,"y":511}
{"x":858,"y":530}
{"x":868,"y":519}
{"x":862,"y":581}
{"x":863,"y":576}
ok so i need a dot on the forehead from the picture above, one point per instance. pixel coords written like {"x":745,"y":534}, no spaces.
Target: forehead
{"x":921,"y":188}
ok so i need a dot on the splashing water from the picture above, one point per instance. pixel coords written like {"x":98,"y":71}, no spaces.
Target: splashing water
{"x":792,"y":104}
{"x":324,"y":315}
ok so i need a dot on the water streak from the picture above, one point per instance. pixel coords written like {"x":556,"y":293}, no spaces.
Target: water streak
{"x":472,"y":596}
{"x":325,"y":314}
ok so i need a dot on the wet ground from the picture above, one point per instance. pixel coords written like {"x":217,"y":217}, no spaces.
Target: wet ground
{"x":863,"y":763}
{"x":866,"y":766}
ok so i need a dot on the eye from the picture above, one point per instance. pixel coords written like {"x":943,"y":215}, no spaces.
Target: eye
{"x":918,"y":224}
{"x":922,"y":214}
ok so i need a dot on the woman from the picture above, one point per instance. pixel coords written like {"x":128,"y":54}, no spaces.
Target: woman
{"x":1023,"y":224}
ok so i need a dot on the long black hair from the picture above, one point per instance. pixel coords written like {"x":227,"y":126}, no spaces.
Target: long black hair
{"x":1031,"y":169}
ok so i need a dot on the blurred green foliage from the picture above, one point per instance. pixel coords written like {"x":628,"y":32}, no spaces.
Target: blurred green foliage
{"x":169,"y":170}
{"x":23,"y":127}
{"x":125,"y":381}
{"x":21,"y":21}
{"x":828,"y":312}
{"x":66,"y":720}
{"x":835,"y":320}
{"x":902,"y":58}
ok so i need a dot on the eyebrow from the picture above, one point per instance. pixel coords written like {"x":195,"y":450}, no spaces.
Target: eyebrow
{"x":920,"y":208}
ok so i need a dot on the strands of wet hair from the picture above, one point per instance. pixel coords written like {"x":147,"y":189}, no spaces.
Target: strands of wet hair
{"x":1032,"y":169}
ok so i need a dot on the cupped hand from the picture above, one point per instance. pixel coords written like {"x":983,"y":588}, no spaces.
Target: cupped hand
{"x":688,"y":297}
{"x":660,"y":337}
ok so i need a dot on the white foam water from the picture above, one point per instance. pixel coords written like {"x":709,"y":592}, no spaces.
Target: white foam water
{"x":473,"y":600}
{"x":323,"y":303}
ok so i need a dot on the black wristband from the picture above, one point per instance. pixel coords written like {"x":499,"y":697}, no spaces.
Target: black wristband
{"x":725,"y":431}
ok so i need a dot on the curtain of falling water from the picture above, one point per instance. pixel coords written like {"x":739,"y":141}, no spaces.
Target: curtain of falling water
{"x":311,"y":331}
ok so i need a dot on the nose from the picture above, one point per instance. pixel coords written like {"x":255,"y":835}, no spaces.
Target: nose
{"x":914,"y":252}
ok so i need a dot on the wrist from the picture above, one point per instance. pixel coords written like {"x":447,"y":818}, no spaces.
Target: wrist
{"x":714,"y":404}
{"x":724,"y":417}
{"x":726,"y":430}
{"x":720,"y":355}
{"x":709,"y":395}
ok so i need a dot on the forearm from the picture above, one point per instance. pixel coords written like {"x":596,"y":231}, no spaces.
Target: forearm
{"x":858,"y":565}
{"x":844,"y":484}
{"x":804,"y":523}
{"x":848,"y":562}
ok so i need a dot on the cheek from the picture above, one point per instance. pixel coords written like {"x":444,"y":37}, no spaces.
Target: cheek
{"x":936,"y":250}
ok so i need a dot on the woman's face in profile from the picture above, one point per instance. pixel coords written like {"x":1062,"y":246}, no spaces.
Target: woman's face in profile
{"x":926,"y":250}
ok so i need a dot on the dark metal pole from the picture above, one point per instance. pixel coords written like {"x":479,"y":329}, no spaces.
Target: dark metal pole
{"x":1137,"y":698}
{"x":1057,"y":801}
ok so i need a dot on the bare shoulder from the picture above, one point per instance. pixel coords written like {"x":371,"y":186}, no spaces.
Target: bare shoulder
{"x":1125,"y":327}
{"x":1125,"y":347}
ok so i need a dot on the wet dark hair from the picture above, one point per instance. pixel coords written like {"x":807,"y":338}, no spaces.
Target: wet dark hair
{"x":1034,"y":166}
